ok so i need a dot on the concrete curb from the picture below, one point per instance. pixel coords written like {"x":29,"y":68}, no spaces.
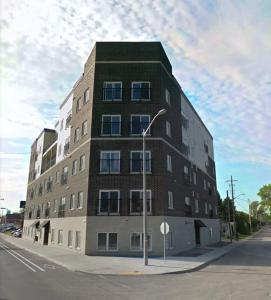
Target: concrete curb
{"x":190,"y":270}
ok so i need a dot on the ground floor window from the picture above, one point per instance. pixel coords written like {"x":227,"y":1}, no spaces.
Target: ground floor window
{"x":77,"y":239}
{"x":170,"y":240}
{"x":107,"y":241}
{"x":60,"y":237}
{"x":69,"y":238}
{"x":137,"y":241}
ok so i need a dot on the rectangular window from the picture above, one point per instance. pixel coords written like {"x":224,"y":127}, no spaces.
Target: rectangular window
{"x":70,"y":239}
{"x":136,"y":202}
{"x":206,"y":208}
{"x":76,"y":134}
{"x":169,"y":163}
{"x":82,"y":164}
{"x":141,"y":91}
{"x":77,"y":240}
{"x":74,"y":167}
{"x":170,"y":240}
{"x":107,"y":241}
{"x":139,"y":123}
{"x":55,"y":205}
{"x":80,"y":200}
{"x":137,"y":241}
{"x":167,"y":96}
{"x":170,"y":200}
{"x":185,"y":122}
{"x":112,"y":91}
{"x":194,"y":177}
{"x":78,"y":105}
{"x":109,"y":202}
{"x":72,"y":201}
{"x":86,"y":96}
{"x":204,"y":184}
{"x":62,"y":205}
{"x":196,"y":206}
{"x":84,"y":128}
{"x":185,"y":149}
{"x":168,"y":129}
{"x":111,"y":125}
{"x":136,"y":161}
{"x":52,"y":235}
{"x":110,"y":162}
{"x":57,"y":177}
{"x":60,"y":237}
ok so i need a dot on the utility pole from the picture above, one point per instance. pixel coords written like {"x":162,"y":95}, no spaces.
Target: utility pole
{"x":231,"y":181}
{"x":229,"y":215}
{"x":249,"y":216}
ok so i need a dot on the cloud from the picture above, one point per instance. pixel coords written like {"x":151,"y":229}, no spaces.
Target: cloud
{"x":219,"y":50}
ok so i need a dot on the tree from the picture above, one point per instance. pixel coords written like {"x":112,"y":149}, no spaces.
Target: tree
{"x":254,"y":205}
{"x":265,"y":194}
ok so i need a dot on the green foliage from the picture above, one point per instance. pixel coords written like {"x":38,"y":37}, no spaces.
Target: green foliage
{"x":242,"y":223}
{"x":265,"y":194}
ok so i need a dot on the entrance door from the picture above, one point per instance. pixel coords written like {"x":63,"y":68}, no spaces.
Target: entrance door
{"x":46,"y":234}
{"x":197,"y":233}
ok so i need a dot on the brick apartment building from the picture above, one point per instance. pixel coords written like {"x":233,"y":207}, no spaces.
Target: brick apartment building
{"x":85,"y":176}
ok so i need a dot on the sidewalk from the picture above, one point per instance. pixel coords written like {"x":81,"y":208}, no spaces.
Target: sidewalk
{"x":105,"y":265}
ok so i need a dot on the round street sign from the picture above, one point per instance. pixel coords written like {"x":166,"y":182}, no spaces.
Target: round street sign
{"x":164,"y":227}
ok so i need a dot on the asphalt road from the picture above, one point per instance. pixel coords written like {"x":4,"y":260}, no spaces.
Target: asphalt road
{"x":245,"y":273}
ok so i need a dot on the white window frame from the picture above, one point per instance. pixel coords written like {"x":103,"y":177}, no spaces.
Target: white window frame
{"x":141,"y":241}
{"x":73,"y":196}
{"x":141,"y":192}
{"x":58,"y":237}
{"x":104,"y":87}
{"x":82,"y":168}
{"x":131,"y":163}
{"x":99,"y":205}
{"x":111,"y":134}
{"x":167,"y":96}
{"x":81,"y":206}
{"x":139,"y":115}
{"x":70,"y":238}
{"x":135,"y":82}
{"x":76,"y":136}
{"x":109,"y":151}
{"x":77,"y":244}
{"x":169,"y":163}
{"x":86,"y":99}
{"x":170,"y":240}
{"x":74,"y":167}
{"x":107,"y":242}
{"x":78,"y":104}
{"x":84,"y":127}
{"x":55,"y":205}
{"x":170,"y":200}
{"x":168,"y":129}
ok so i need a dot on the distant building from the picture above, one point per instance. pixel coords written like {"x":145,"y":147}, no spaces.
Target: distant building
{"x":85,"y":177}
{"x":15,"y":218}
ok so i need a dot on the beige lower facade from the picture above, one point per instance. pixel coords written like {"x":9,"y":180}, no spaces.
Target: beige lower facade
{"x":120,"y":235}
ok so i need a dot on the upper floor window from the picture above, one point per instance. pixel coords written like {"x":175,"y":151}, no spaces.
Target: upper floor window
{"x":136,"y":162}
{"x":80,"y":200}
{"x":111,"y":125}
{"x":169,"y":163}
{"x":141,"y":91}
{"x":76,"y":134}
{"x":206,"y":148}
{"x":74,"y":167}
{"x":196,"y":206}
{"x":194,"y":177}
{"x":185,"y":149}
{"x":185,"y":122}
{"x":78,"y":104}
{"x":167,"y":96}
{"x":86,"y":96}
{"x":109,"y":162}
{"x":168,"y":129}
{"x":112,"y":91}
{"x":82,"y":162}
{"x":67,"y":146}
{"x":136,"y":201}
{"x":139,"y":123}
{"x":84,"y":128}
{"x":72,"y":201}
{"x":109,"y":202}
{"x":170,"y":200}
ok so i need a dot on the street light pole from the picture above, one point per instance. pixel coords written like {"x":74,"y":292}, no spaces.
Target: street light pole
{"x":145,"y":231}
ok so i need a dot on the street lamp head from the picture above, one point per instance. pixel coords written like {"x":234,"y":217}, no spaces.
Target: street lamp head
{"x":161,"y":112}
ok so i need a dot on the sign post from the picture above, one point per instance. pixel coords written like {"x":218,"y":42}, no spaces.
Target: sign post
{"x":164,"y":228}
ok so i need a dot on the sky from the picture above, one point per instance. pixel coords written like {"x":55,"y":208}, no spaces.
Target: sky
{"x":220,"y":52}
